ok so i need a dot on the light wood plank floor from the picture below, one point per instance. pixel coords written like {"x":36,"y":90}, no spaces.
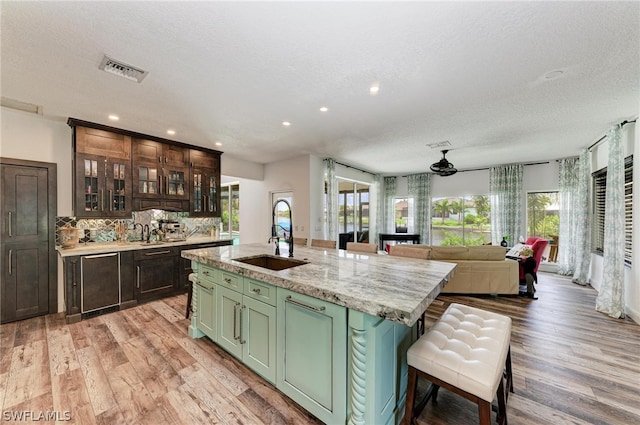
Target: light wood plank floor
{"x":138,"y":366}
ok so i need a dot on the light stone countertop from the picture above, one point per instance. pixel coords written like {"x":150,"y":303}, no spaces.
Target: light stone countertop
{"x":395,"y":288}
{"x":92,"y":248}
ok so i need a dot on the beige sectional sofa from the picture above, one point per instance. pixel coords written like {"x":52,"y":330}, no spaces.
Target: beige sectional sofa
{"x":481,"y":269}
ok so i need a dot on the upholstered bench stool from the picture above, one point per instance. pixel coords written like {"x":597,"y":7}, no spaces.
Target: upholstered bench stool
{"x":467,"y":351}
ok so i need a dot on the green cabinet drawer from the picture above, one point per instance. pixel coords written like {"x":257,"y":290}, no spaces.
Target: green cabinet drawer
{"x":208,"y":274}
{"x":232,"y":281}
{"x":260,"y":291}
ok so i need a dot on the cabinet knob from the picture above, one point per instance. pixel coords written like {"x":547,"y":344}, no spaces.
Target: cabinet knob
{"x":227,"y":280}
{"x":256,"y":290}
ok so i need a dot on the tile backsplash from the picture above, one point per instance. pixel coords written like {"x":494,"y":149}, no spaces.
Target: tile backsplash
{"x":104,"y":229}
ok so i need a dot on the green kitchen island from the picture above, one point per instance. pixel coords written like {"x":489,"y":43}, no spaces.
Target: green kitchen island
{"x":330,"y":328}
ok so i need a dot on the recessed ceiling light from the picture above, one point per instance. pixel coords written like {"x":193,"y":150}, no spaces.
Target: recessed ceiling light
{"x":218,"y":143}
{"x":286,"y":123}
{"x":374,"y":89}
{"x":324,"y":109}
{"x":171,"y":132}
{"x":114,"y":117}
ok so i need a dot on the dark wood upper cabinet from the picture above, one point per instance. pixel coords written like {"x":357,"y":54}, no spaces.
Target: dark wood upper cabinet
{"x":161,"y":171}
{"x":104,"y":143}
{"x":119,"y":171}
{"x":205,"y":184}
{"x":102,"y":186}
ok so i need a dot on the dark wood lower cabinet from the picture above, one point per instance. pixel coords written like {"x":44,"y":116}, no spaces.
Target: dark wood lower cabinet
{"x":26,"y":281}
{"x":103,"y":282}
{"x":156,"y":273}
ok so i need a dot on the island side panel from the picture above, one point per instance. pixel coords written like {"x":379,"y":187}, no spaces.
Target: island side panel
{"x":377,"y":369}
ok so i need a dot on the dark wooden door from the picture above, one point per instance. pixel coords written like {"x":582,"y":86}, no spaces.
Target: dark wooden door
{"x":29,"y":283}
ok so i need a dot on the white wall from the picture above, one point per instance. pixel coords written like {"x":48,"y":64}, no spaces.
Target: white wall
{"x":36,"y":138}
{"x":288,"y":175}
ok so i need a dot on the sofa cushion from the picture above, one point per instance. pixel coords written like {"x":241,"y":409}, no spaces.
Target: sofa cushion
{"x":449,"y":253}
{"x":412,"y":251}
{"x":486,"y":253}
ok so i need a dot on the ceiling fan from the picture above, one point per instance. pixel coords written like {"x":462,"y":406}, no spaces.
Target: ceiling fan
{"x":443,"y":167}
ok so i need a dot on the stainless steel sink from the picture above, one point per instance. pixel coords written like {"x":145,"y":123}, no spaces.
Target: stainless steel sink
{"x":271,"y":262}
{"x":151,"y":243}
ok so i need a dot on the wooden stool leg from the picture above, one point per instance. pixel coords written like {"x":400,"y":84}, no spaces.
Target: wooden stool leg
{"x":484,"y":410}
{"x":411,"y":396}
{"x":189,"y":296}
{"x":502,"y":404}
{"x":509,"y":373}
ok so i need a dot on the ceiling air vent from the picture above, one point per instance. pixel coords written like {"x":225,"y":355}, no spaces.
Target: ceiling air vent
{"x":122,"y":69}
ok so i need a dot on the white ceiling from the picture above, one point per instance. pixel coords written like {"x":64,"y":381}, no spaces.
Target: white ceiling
{"x":232,"y":72}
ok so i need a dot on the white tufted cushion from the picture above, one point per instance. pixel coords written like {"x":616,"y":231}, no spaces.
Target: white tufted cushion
{"x":467,"y":348}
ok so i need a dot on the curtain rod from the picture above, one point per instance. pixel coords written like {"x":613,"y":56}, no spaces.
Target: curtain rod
{"x":483,"y":168}
{"x":597,"y":142}
{"x":350,"y":166}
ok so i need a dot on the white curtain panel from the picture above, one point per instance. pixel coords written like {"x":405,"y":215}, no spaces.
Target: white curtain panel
{"x":331,"y":224}
{"x":389,"y":212}
{"x":582,"y":214}
{"x":610,"y":298}
{"x":419,"y":187}
{"x":571,"y":221}
{"x":506,"y":193}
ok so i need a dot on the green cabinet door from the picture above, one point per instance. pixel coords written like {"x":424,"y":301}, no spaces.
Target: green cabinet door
{"x":258,"y":337}
{"x":312,"y":357}
{"x":229,"y":320}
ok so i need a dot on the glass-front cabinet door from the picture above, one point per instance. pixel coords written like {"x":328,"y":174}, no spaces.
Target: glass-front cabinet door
{"x":176,"y":183}
{"x":147,"y":180}
{"x":212,"y":198}
{"x":89,"y":200}
{"x":205,"y":183}
{"x":204,"y":196}
{"x":119,"y":188}
{"x":197,"y":197}
{"x":103,"y":187}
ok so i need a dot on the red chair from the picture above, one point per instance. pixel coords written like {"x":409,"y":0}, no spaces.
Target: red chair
{"x":537,"y":246}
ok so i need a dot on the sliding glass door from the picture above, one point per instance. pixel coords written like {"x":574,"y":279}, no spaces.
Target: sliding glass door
{"x":230,"y":217}
{"x":353,"y":212}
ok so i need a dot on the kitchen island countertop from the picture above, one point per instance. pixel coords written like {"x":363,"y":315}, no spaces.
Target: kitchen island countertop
{"x":395,"y":288}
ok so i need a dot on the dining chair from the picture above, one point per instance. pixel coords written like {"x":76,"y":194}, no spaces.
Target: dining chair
{"x":300,"y":241}
{"x":323,"y":243}
{"x":371,"y":248}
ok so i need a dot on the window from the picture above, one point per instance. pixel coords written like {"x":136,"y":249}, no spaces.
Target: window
{"x":543,"y":214}
{"x":230,"y":206}
{"x":403,"y":215}
{"x":599,"y":208}
{"x":463,"y":220}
